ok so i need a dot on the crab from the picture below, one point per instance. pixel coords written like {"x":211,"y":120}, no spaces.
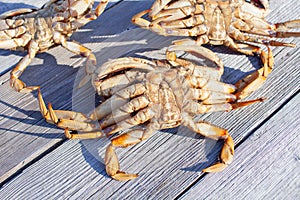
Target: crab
{"x":143,"y":96}
{"x":233,"y":23}
{"x":37,"y":30}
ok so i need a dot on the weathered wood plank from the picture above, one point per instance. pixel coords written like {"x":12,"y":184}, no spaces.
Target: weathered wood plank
{"x":266,"y":164}
{"x":22,"y":127}
{"x":168,"y":163}
{"x":10,"y":58}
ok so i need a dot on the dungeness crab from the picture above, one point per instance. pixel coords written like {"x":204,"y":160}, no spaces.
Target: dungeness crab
{"x":233,"y":23}
{"x":144,"y":96}
{"x":36,"y":30}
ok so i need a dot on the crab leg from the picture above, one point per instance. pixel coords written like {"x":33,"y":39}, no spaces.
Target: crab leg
{"x":15,"y":82}
{"x":117,"y":100}
{"x":75,"y":47}
{"x":157,"y":25}
{"x":211,"y":85}
{"x":110,"y":86}
{"x":78,"y":8}
{"x":158,"y":6}
{"x":15,"y":12}
{"x":126,"y":110}
{"x":78,"y":48}
{"x":127,"y":139}
{"x":140,"y":117}
{"x":161,"y":6}
{"x":112,"y":166}
{"x":255,"y":80}
{"x":181,"y":3}
{"x":226,"y":156}
{"x":282,"y":27}
{"x":196,"y":50}
{"x":179,"y":13}
{"x":120,"y":64}
{"x":240,"y":36}
{"x":114,"y":66}
{"x":184,"y":23}
{"x":257,"y":25}
{"x":139,"y":21}
{"x":11,"y":33}
{"x":215,"y":133}
{"x":258,"y":8}
{"x":69,"y":120}
{"x":194,"y":107}
{"x":211,"y":97}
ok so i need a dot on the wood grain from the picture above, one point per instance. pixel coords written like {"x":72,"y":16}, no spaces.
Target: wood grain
{"x":266,"y":164}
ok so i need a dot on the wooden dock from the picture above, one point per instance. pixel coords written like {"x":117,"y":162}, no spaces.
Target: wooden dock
{"x":38,"y":162}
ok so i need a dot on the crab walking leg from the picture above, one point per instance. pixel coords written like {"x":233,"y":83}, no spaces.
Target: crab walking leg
{"x":248,"y":84}
{"x":259,"y":26}
{"x":196,"y":50}
{"x":255,"y":80}
{"x":211,"y":85}
{"x":139,"y":21}
{"x":91,"y":59}
{"x":184,"y":23}
{"x":15,"y":82}
{"x":198,"y":71}
{"x":158,"y":6}
{"x":126,"y":110}
{"x":69,"y":120}
{"x":120,"y":64}
{"x":281,"y":28}
{"x":226,"y":156}
{"x":216,"y":133}
{"x":177,"y":13}
{"x":141,"y":117}
{"x":11,"y":33}
{"x":114,"y":84}
{"x":194,"y":107}
{"x":130,"y":138}
{"x":77,"y":48}
{"x":117,"y":100}
{"x":112,"y":166}
{"x":211,"y":97}
{"x":116,"y":66}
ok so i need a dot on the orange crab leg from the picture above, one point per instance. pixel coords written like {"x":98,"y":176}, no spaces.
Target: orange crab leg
{"x":215,"y":133}
{"x":15,"y":82}
{"x":69,"y":120}
{"x":113,"y":167}
{"x":226,"y":157}
{"x":255,"y":80}
{"x":127,"y":139}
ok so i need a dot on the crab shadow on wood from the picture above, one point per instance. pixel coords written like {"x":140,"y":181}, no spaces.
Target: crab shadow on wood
{"x":34,"y":118}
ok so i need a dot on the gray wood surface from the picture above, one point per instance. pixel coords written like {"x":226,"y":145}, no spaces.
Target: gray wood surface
{"x":268,"y":161}
{"x":170,"y":162}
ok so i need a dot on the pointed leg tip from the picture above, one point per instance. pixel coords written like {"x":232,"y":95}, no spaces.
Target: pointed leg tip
{"x":215,"y":168}
{"x":67,"y":133}
{"x":122,"y":176}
